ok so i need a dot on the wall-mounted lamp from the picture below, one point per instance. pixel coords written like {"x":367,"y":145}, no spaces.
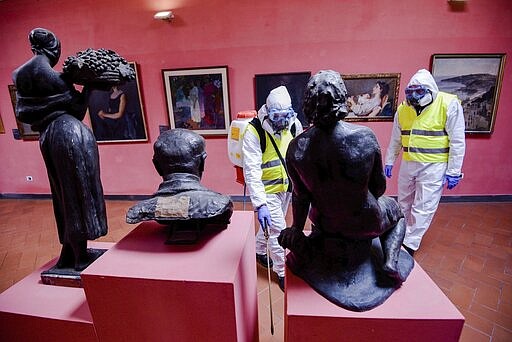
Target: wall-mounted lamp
{"x":164,"y":15}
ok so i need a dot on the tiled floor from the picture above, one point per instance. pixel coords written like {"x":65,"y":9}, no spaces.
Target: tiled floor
{"x":467,"y":252}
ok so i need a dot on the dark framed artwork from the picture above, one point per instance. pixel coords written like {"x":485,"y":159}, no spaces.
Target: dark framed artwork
{"x":25,"y":130}
{"x":372,"y":97}
{"x":476,"y":80}
{"x":117,"y":115}
{"x":198,"y":99}
{"x":295,"y":82}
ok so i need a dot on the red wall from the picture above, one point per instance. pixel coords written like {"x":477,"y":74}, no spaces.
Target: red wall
{"x":254,"y":37}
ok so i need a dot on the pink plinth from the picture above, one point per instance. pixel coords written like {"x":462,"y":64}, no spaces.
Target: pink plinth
{"x":32,"y":311}
{"x":418,"y":311}
{"x":144,"y":290}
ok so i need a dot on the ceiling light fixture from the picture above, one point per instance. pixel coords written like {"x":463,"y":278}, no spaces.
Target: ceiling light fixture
{"x":164,"y":15}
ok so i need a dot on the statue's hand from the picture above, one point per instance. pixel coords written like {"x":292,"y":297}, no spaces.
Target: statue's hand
{"x":291,"y":238}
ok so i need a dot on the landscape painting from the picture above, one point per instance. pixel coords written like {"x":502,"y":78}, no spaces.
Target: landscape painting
{"x":476,"y":80}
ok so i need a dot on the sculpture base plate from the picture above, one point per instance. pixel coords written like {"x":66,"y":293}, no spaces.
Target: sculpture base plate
{"x":68,"y":276}
{"x":358,"y":288}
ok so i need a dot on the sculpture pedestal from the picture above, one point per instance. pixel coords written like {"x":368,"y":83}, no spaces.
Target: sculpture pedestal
{"x":145,"y":290}
{"x":418,"y":311}
{"x":31,"y":310}
{"x":68,"y":276}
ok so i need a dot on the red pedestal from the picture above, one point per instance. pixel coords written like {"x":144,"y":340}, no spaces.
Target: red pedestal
{"x":418,"y":311}
{"x":144,"y":290}
{"x":32,"y":311}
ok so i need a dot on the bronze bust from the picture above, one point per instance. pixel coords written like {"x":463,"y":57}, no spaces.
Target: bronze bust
{"x":181,"y":202}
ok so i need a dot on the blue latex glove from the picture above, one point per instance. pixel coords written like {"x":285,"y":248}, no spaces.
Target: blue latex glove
{"x":451,"y":180}
{"x":264,"y":216}
{"x":387,"y":170}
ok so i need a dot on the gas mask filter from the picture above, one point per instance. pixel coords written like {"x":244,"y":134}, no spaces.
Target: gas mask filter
{"x":280,"y":118}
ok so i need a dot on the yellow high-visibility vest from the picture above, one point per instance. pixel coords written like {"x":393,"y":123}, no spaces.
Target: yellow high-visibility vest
{"x":424,"y":138}
{"x":274,"y":175}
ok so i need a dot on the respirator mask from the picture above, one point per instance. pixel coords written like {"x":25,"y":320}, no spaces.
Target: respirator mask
{"x":280,"y":118}
{"x":418,"y":95}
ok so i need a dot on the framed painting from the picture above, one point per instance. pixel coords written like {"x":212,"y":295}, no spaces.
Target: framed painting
{"x":2,"y":128}
{"x":295,"y":82}
{"x":476,"y":80}
{"x":25,"y":130}
{"x":198,"y":99}
{"x":117,"y":114}
{"x":372,"y":97}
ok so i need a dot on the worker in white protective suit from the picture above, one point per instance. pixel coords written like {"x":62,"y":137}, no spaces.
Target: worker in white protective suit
{"x":265,"y":173}
{"x":429,"y":127}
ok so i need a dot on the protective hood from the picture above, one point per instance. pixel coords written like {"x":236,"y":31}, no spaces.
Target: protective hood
{"x":424,"y":77}
{"x":279,"y":98}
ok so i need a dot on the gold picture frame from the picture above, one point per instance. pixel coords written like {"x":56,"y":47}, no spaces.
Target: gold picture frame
{"x":26,"y":132}
{"x":2,"y":128}
{"x":372,"y":97}
{"x":198,"y":99}
{"x":131,"y":125}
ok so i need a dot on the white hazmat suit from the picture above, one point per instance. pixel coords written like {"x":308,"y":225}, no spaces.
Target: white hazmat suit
{"x":277,"y":203}
{"x":420,"y":184}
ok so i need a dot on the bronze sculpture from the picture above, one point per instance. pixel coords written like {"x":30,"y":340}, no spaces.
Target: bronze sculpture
{"x":181,"y":202}
{"x":48,"y":100}
{"x":337,"y":176}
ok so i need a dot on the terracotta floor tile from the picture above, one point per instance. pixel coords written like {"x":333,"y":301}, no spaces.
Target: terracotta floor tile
{"x":472,"y":226}
{"x":456,"y":224}
{"x":483,"y":239}
{"x":490,"y":314}
{"x":444,"y":284}
{"x":508,"y":269}
{"x":466,"y":238}
{"x":432,"y":261}
{"x":472,"y":276}
{"x":488,"y":221}
{"x":493,"y":264}
{"x":12,"y":259}
{"x":28,"y":259}
{"x":451,"y":263}
{"x":503,"y":277}
{"x":506,"y":294}
{"x":470,"y":334}
{"x":478,"y":323}
{"x":503,"y":252}
{"x":505,"y":309}
{"x":473,"y":263}
{"x":478,"y":250}
{"x":461,"y":295}
{"x":501,"y":334}
{"x":488,"y":296}
{"x":459,"y":278}
{"x":502,"y":240}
